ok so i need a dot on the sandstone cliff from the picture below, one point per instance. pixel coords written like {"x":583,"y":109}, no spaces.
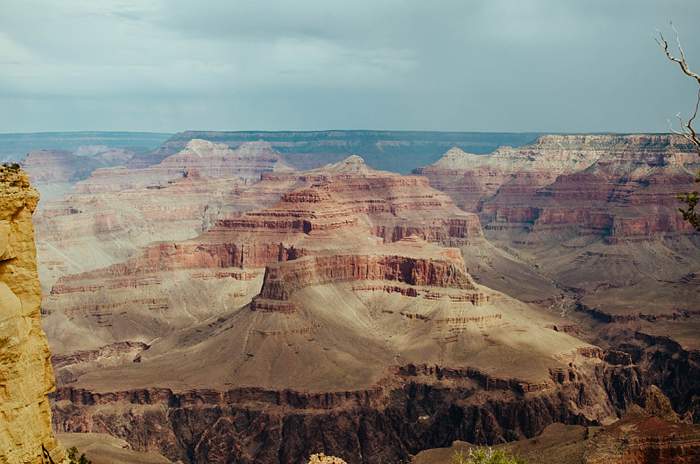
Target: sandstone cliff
{"x":26,"y":376}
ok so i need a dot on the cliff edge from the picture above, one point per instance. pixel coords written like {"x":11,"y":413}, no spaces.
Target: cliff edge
{"x":26,"y":376}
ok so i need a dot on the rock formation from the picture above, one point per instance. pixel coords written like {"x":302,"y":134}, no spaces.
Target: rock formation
{"x":596,"y":215}
{"x":652,"y":435}
{"x":323,"y":459}
{"x":26,"y":375}
{"x":339,"y":319}
{"x":55,"y":172}
{"x":343,"y":208}
{"x":117,"y":211}
{"x":199,"y":158}
{"x":618,"y":187}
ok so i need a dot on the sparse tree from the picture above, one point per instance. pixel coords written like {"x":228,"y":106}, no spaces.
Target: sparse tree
{"x":73,"y":457}
{"x":691,"y":212}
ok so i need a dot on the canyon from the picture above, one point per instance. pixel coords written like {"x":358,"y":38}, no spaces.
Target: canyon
{"x":222,"y":301}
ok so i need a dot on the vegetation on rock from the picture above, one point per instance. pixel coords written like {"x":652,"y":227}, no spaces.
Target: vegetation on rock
{"x":485,"y":455}
{"x":73,"y":457}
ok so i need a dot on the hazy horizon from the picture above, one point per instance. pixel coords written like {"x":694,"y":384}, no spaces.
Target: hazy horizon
{"x":542,"y":66}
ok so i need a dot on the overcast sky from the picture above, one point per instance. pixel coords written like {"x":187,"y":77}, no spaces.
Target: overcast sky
{"x":490,"y":65}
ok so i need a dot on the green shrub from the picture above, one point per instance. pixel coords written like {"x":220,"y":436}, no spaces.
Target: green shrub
{"x":485,"y":455}
{"x":73,"y":457}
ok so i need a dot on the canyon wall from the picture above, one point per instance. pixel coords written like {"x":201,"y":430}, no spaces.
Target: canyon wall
{"x":620,"y":187}
{"x":387,"y":423}
{"x":26,"y":375}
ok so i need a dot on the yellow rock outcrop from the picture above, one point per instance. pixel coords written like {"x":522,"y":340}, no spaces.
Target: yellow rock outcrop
{"x":26,"y":376}
{"x":323,"y":459}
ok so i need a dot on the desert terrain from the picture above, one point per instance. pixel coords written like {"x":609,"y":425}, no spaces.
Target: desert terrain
{"x":222,"y":301}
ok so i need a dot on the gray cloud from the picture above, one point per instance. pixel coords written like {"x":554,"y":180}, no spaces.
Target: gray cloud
{"x":549,"y":65}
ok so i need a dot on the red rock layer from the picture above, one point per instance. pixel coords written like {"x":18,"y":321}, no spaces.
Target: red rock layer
{"x":620,"y":187}
{"x":646,"y":440}
{"x":326,"y":209}
{"x":283,"y":279}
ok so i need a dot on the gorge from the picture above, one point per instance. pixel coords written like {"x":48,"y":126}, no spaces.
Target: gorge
{"x":220,"y":305}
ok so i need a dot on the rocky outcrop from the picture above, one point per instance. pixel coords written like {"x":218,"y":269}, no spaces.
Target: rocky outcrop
{"x":26,"y":376}
{"x":649,"y":433}
{"x":385,"y":424}
{"x":646,"y":435}
{"x":645,"y":440}
{"x":321,"y":458}
{"x":283,"y":279}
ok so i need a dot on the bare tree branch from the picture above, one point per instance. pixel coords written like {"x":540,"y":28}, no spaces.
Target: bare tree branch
{"x":691,"y":134}
{"x":663,"y":43}
{"x":692,"y":199}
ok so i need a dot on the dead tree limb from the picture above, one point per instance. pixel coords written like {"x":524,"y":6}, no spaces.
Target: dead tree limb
{"x":692,"y":199}
{"x":687,"y":127}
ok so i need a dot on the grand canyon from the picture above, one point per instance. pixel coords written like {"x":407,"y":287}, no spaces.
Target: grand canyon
{"x":367,"y":232}
{"x":219,"y":304}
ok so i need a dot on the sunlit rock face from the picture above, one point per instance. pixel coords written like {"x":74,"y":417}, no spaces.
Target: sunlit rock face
{"x":26,"y":375}
{"x":618,"y":187}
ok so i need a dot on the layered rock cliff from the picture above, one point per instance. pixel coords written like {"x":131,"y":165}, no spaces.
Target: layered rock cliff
{"x":345,"y":208}
{"x":649,"y":433}
{"x":116,"y":211}
{"x":26,"y":375}
{"x":619,"y":187}
{"x":596,"y":215}
{"x":386,"y":423}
